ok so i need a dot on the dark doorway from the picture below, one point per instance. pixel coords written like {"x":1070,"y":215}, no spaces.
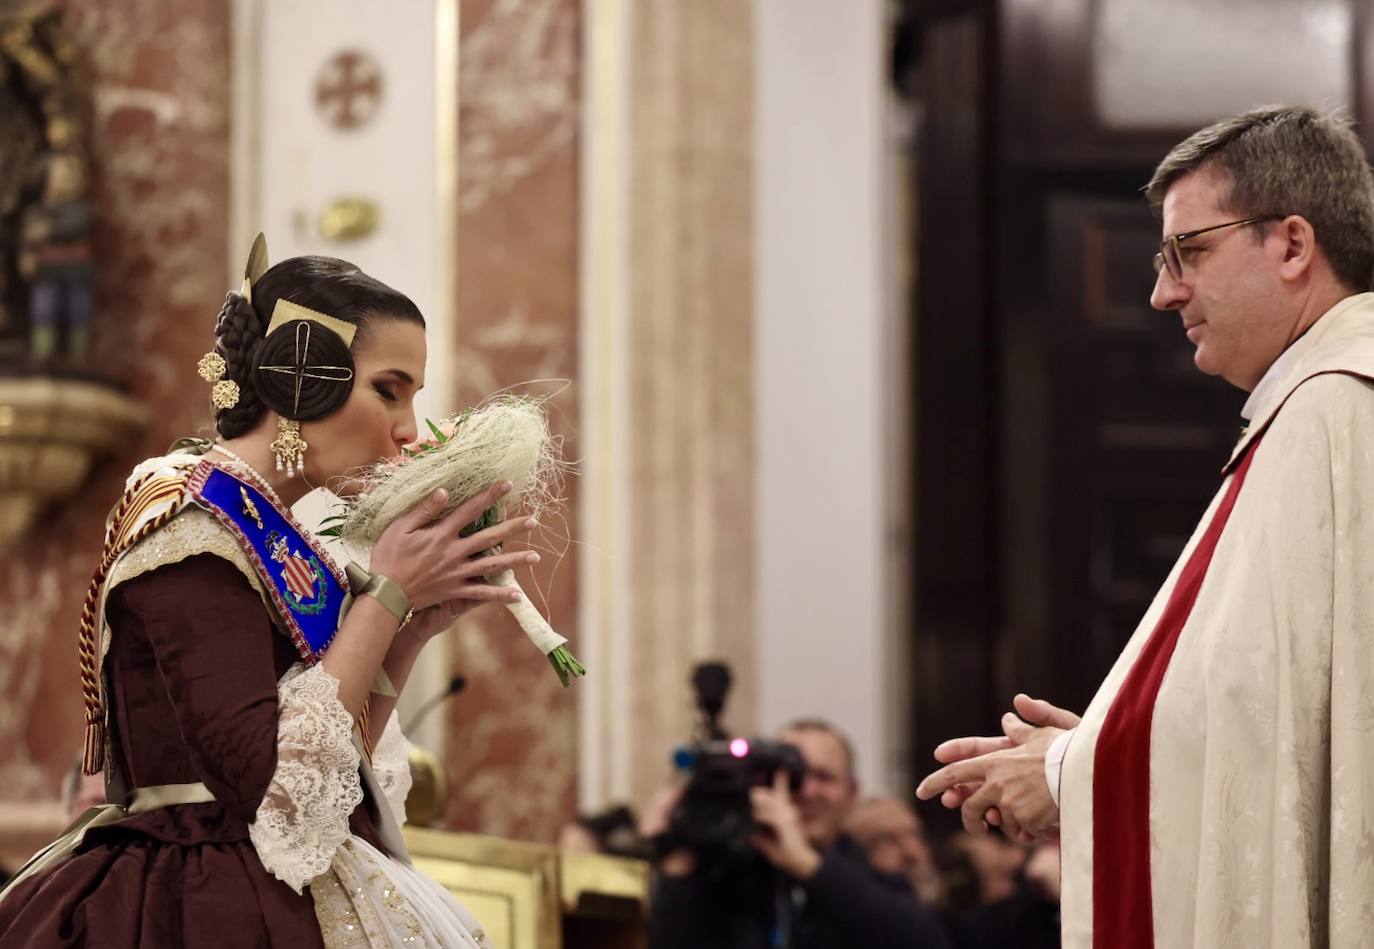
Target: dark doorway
{"x":1065,"y":445}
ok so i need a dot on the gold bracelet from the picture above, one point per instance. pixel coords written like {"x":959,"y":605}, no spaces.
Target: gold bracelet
{"x":382,"y":589}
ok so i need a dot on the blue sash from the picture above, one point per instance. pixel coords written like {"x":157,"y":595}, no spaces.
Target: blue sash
{"x":306,"y":586}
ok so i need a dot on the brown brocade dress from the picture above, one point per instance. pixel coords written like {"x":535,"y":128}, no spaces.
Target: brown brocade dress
{"x":203,"y":687}
{"x":193,"y":668}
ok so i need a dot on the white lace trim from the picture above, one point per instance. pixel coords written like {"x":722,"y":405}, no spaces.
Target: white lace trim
{"x":391,"y":766}
{"x":303,"y":818}
{"x":163,"y":464}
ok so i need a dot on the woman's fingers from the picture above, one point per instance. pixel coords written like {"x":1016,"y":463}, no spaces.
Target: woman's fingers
{"x":492,"y":564}
{"x":430,"y":560}
{"x":473,"y":508}
{"x":485,"y":593}
{"x":500,"y":533}
{"x":424,"y":513}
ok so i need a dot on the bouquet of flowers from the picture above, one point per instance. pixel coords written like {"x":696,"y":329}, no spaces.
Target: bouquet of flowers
{"x":504,"y":439}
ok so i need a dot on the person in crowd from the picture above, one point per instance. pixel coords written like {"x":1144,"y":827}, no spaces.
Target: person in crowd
{"x":809,"y":886}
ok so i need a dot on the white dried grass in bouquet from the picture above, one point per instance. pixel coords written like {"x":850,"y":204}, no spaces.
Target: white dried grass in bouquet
{"x":506,"y":438}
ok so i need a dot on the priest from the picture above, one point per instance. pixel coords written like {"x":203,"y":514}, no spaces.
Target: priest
{"x":1219,"y":789}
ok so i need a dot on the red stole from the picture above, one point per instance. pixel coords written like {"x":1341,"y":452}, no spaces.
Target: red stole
{"x":1122,"y":909}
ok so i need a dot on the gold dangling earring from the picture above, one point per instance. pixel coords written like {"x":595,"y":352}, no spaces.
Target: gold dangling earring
{"x":289,"y":447}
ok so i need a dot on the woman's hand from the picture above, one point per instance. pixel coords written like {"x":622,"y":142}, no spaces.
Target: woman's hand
{"x":427,"y":624}
{"x":422,"y":553}
{"x":430,"y":622}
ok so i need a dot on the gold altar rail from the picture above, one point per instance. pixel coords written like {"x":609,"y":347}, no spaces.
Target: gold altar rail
{"x":531,"y":896}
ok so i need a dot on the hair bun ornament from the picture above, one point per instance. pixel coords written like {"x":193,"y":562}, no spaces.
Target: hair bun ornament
{"x":224,"y":393}
{"x":304,"y":367}
{"x":255,"y":267}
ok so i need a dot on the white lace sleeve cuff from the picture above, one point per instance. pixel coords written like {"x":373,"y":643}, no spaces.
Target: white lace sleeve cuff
{"x":1054,"y":762}
{"x":391,"y":765}
{"x":304,"y":815}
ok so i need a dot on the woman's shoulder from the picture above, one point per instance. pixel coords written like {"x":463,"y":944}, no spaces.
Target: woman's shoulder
{"x":178,"y":461}
{"x":155,"y":525}
{"x":190,"y":532}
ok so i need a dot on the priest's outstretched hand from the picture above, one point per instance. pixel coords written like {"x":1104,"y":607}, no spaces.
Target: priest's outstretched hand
{"x":1001,"y":781}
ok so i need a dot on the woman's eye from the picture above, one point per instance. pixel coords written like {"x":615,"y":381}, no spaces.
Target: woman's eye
{"x":385,"y":393}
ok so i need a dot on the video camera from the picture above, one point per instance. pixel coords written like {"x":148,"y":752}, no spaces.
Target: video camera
{"x":714,"y":817}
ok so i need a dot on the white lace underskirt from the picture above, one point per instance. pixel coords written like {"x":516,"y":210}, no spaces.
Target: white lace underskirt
{"x":366,"y":898}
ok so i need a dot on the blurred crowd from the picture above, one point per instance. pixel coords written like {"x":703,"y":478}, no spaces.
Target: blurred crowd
{"x":881,"y":880}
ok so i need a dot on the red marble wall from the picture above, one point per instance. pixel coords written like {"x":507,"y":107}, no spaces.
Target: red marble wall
{"x":160,"y":76}
{"x":510,"y":749}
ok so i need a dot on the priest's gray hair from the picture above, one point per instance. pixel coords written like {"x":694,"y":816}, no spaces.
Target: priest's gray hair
{"x":1288,"y":160}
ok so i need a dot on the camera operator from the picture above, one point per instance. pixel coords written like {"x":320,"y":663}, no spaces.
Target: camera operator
{"x":829,"y":895}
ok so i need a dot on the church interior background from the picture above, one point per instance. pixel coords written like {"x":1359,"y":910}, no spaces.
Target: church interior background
{"x":844,"y":323}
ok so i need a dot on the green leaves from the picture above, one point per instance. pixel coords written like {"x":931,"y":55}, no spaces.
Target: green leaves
{"x":332,"y":526}
{"x":566,"y":665}
{"x":490,"y":518}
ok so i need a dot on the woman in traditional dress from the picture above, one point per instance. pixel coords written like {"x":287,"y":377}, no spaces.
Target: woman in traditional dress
{"x":240,"y":688}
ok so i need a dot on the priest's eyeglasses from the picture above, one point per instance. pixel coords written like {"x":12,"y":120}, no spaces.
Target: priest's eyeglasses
{"x":1169,"y":253}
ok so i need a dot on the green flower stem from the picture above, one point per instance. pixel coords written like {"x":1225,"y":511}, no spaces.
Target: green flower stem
{"x":566,"y":665}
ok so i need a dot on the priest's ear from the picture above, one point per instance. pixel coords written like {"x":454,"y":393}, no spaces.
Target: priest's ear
{"x":1297,"y":247}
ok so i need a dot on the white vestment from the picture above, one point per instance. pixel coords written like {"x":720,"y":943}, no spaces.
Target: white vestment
{"x":1260,"y":741}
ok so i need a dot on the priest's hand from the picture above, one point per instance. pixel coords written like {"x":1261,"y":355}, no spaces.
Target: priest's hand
{"x":1031,"y":710}
{"x":999,"y":781}
{"x":1040,"y":712}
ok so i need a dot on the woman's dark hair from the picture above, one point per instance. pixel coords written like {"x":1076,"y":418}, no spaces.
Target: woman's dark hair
{"x":324,"y":284}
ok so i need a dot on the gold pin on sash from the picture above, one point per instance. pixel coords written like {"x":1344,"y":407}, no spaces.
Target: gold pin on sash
{"x":249,"y":508}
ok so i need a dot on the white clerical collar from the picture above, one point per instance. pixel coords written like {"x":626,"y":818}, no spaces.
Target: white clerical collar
{"x":1279,"y":369}
{"x":1272,"y":378}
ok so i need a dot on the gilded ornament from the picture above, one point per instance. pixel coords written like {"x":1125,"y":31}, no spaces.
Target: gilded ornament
{"x":212,"y":367}
{"x":288,"y":447}
{"x":225,"y":394}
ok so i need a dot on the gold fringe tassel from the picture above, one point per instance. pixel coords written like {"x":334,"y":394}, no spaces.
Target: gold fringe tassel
{"x":93,"y":753}
{"x":365,"y":728}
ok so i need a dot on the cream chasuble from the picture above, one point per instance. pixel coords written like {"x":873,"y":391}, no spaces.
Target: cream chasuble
{"x":1220,"y":789}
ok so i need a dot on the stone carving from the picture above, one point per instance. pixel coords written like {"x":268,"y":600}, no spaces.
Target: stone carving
{"x":348,"y":92}
{"x":45,"y":211}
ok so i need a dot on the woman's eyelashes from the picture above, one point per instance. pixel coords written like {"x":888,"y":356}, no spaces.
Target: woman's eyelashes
{"x":385,"y":392}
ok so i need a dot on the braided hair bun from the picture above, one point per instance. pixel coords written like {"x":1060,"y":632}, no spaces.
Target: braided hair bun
{"x":238,"y":337}
{"x":324,"y":356}
{"x":323,"y":284}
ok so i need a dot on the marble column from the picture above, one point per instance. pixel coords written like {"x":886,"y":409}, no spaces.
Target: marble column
{"x":668,"y":400}
{"x":510,"y":741}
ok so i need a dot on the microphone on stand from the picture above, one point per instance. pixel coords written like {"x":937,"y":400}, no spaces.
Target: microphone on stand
{"x":455,"y":685}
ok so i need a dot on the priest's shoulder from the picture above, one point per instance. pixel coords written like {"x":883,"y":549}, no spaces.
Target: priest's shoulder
{"x":1333,"y":393}
{"x":1337,"y":400}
